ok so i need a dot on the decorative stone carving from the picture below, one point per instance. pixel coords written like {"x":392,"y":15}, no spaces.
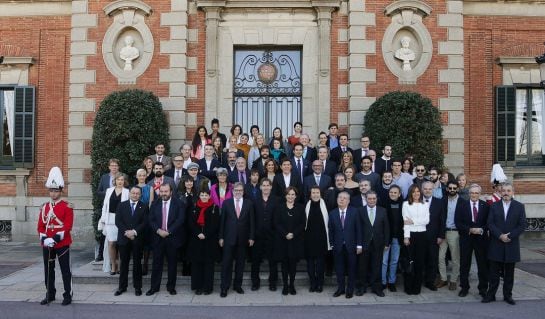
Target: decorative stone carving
{"x":128,"y":45}
{"x":407,"y":45}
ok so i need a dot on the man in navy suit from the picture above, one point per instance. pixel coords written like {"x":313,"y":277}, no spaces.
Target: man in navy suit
{"x":345,"y":238}
{"x":208,"y":164}
{"x":237,"y":227}
{"x":329,"y":166}
{"x":309,"y":153}
{"x":316,"y":179}
{"x":131,"y":219}
{"x":506,"y":221}
{"x":471,"y":218}
{"x":435,"y":233}
{"x":241,"y":173}
{"x":166,"y":220}
{"x":300,"y":166}
{"x":337,"y":152}
{"x":360,"y":153}
{"x":376,"y":238}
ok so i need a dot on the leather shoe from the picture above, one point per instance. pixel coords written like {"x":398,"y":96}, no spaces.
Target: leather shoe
{"x":198,"y":292}
{"x":255,"y":287}
{"x":138,"y":292}
{"x":509,"y":300}
{"x":311,"y":289}
{"x":272,"y":287}
{"x":431,"y":287}
{"x":338,"y":293}
{"x":392,"y":287}
{"x":172,"y":292}
{"x":462,"y":293}
{"x":319,"y":289}
{"x":349,"y":295}
{"x":440,"y":284}
{"x":292,"y":290}
{"x":223,"y":293}
{"x":119,"y":292}
{"x":379,"y":293}
{"x":285,"y":291}
{"x":359,"y":292}
{"x":45,"y":301}
{"x":207,"y":292}
{"x":68,"y":300}
{"x":150,"y":292}
{"x":239,"y":290}
{"x":488,"y":299}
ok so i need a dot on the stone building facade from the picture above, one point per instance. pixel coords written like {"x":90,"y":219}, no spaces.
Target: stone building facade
{"x":467,"y":54}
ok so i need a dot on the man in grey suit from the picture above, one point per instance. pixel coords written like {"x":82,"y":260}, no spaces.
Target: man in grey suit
{"x":160,"y":156}
{"x":506,"y":221}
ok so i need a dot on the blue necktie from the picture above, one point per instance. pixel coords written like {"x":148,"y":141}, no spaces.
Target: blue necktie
{"x":132,"y":209}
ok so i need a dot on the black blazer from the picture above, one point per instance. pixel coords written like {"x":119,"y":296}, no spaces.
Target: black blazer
{"x":350,"y":235}
{"x":330,"y":197}
{"x":235,"y":230}
{"x":357,"y":201}
{"x":336,"y":154}
{"x":438,"y":216}
{"x":175,"y":224}
{"x":258,"y":164}
{"x":325,"y":183}
{"x":264,"y":226}
{"x":306,"y":168}
{"x":382,"y":165}
{"x":358,"y":157}
{"x":514,"y":224}
{"x":463,"y":217}
{"x":330,"y":169}
{"x":124,"y":220}
{"x":234,"y":176}
{"x":377,"y":234}
{"x":279,"y":186}
{"x":312,"y":155}
{"x":209,"y":173}
{"x":202,"y":250}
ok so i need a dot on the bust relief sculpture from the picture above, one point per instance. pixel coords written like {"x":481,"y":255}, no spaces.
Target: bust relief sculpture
{"x":129,"y":53}
{"x":405,"y":54}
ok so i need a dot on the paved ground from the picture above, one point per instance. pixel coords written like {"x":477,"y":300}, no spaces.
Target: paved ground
{"x":26,"y":284}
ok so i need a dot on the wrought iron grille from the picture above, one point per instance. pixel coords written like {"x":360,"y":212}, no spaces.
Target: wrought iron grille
{"x":267,"y":89}
{"x":5,"y":230}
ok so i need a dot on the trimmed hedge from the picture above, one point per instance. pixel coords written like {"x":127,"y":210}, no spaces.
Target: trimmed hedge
{"x":410,"y":124}
{"x":127,"y":126}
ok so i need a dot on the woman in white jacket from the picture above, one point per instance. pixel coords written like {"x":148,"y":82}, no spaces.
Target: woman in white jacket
{"x":114,"y":196}
{"x":416,"y":216}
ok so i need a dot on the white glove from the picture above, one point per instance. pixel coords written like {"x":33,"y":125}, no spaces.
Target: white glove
{"x":49,"y":242}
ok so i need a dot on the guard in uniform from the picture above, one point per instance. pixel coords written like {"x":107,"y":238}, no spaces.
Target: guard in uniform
{"x":54,"y":226}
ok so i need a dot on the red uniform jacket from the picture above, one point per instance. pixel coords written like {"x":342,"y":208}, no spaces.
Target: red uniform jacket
{"x":51,"y":225}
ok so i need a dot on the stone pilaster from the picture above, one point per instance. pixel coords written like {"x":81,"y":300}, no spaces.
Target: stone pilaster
{"x":453,"y":75}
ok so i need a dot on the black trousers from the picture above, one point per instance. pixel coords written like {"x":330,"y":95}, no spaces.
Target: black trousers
{"x":63,"y":255}
{"x":202,"y":276}
{"x":345,"y":264}
{"x":315,"y":269}
{"x":478,"y":245}
{"x":289,"y":268}
{"x":125,"y":251}
{"x":259,"y":253}
{"x":230,"y":253}
{"x":508,"y":278}
{"x":417,"y":253}
{"x":161,"y":249}
{"x":431,"y":260}
{"x":370,"y":268}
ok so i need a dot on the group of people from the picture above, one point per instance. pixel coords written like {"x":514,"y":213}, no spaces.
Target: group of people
{"x":345,"y":211}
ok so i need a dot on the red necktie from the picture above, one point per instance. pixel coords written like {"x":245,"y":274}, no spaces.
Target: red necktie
{"x":164,"y":224}
{"x":475,"y":212}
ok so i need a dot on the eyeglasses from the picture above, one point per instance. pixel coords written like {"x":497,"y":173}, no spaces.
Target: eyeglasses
{"x":238,"y":190}
{"x":420,"y":170}
{"x":452,"y":188}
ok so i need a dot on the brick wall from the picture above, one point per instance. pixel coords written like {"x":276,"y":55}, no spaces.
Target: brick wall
{"x":47,"y":40}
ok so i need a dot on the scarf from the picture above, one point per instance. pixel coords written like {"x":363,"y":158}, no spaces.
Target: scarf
{"x":203,"y":206}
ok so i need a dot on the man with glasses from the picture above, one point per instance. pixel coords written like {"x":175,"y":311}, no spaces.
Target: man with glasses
{"x":452,"y":239}
{"x":237,"y":227}
{"x":360,"y":153}
{"x":317,"y":178}
{"x":435,"y":175}
{"x":420,"y":175}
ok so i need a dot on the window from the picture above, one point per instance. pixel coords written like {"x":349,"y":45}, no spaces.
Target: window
{"x":519,"y":125}
{"x":17,"y":133}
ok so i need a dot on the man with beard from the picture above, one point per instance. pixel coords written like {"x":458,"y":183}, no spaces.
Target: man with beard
{"x":360,"y":200}
{"x":259,"y":163}
{"x":384,"y":188}
{"x":384,"y":163}
{"x":435,"y":176}
{"x":160,"y":156}
{"x":160,"y":179}
{"x":367,"y":174}
{"x":231,"y":163}
{"x":420,"y":175}
{"x":452,"y":239}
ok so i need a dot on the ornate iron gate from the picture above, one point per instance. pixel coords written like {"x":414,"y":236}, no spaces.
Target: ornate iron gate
{"x":267,"y":89}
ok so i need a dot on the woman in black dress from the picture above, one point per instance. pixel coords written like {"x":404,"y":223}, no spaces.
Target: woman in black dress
{"x":203,"y":249}
{"x":289,"y":223}
{"x":316,"y":239}
{"x":188,"y":196}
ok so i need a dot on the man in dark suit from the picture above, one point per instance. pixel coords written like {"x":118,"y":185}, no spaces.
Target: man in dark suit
{"x":506,"y":221}
{"x":376,"y":237}
{"x":332,"y":137}
{"x":208,"y":164}
{"x":435,"y":233}
{"x":131,"y":219}
{"x":384,"y":163}
{"x":286,"y":178}
{"x":361,"y":152}
{"x":337,"y":152}
{"x":241,"y":173}
{"x":264,"y":209}
{"x":329,"y":166}
{"x":331,"y":195}
{"x":237,"y":227}
{"x":359,"y":200}
{"x":166,"y":220}
{"x":345,"y":238}
{"x":300,"y":166}
{"x":309,"y":153}
{"x":471,"y":218}
{"x":316,"y":179}
{"x":231,"y":162}
{"x":177,"y":170}
{"x":160,"y":156}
